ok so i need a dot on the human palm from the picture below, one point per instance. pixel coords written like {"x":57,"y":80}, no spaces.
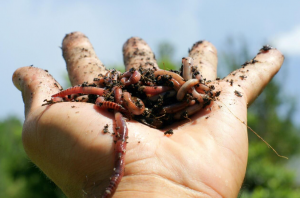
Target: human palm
{"x":205,"y":157}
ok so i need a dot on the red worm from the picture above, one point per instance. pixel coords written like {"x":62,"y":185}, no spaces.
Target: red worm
{"x":99,"y":81}
{"x":188,"y":111}
{"x":131,"y":105}
{"x":198,"y":96}
{"x":107,"y":77}
{"x":100,"y":102}
{"x":120,"y":149}
{"x":81,"y":90}
{"x":111,"y":75}
{"x":202,"y":88}
{"x":187,"y":63}
{"x":133,"y":79}
{"x":186,"y":87}
{"x":126,"y":74}
{"x":176,"y":84}
{"x":154,"y":90}
{"x":174,"y":75}
{"x":118,"y":95}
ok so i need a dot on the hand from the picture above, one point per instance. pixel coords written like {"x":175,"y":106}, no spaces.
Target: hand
{"x":205,"y":157}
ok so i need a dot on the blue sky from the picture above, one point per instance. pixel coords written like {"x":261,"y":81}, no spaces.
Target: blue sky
{"x":32,"y":31}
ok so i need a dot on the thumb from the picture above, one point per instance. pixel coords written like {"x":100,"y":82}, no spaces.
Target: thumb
{"x":36,"y":85}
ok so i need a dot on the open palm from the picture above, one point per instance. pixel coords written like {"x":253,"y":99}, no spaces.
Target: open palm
{"x":205,"y":157}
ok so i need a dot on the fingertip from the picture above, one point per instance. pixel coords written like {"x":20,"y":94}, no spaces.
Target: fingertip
{"x":271,"y":55}
{"x":136,"y":53}
{"x":36,"y":85}
{"x":205,"y":58}
{"x":258,"y":72}
{"x":82,"y":62}
{"x":73,"y":38}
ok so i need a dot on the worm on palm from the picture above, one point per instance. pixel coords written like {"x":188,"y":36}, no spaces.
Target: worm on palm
{"x":136,"y":107}
{"x":186,"y":87}
{"x":120,"y":150}
{"x":187,"y":63}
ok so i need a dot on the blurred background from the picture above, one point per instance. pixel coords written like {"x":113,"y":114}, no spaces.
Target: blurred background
{"x":32,"y":31}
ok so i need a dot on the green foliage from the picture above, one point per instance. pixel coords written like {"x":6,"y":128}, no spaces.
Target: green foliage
{"x":18,"y":176}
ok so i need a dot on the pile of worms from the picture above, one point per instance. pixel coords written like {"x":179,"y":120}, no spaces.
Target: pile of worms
{"x":154,"y":97}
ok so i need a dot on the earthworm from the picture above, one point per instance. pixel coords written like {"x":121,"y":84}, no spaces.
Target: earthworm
{"x":120,"y":149}
{"x":100,"y":102}
{"x":81,"y":90}
{"x":126,"y":74}
{"x":131,"y":106}
{"x":175,"y":84}
{"x":187,"y":63}
{"x":174,"y":75}
{"x":110,"y":76}
{"x":155,"y":90}
{"x":133,"y":79}
{"x":186,"y":87}
{"x":202,"y":87}
{"x":107,"y":77}
{"x":188,"y":111}
{"x":99,"y":81}
{"x":118,"y":95}
{"x":198,"y":96}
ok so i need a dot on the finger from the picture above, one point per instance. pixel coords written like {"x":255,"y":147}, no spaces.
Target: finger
{"x":205,"y":58}
{"x":257,"y":73}
{"x":136,"y":53}
{"x":82,"y":62}
{"x":36,"y":85}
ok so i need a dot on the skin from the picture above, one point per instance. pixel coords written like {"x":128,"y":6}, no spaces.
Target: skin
{"x":203,"y":158}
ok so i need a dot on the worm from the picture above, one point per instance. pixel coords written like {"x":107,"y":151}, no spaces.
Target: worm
{"x":175,"y":84}
{"x":99,"y":81}
{"x":107,"y":78}
{"x":81,"y":90}
{"x":177,"y":77}
{"x":202,"y":87}
{"x":186,"y":87}
{"x":100,"y":102}
{"x":131,"y":106}
{"x":118,"y":95}
{"x":155,"y":90}
{"x":199,"y":96}
{"x":110,"y":76}
{"x":120,"y":149}
{"x":129,"y":78}
{"x":187,"y":63}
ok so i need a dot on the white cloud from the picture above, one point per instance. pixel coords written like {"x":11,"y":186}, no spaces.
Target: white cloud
{"x":288,"y":42}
